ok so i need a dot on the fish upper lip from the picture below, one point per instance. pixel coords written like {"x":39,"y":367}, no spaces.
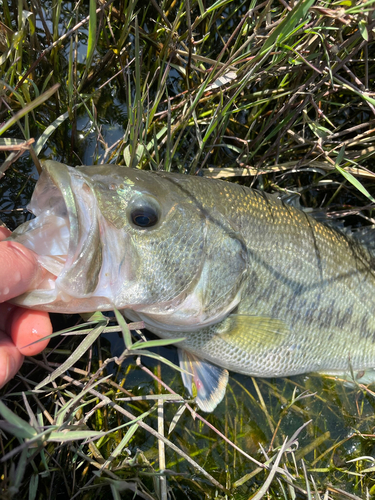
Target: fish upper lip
{"x":80,"y":274}
{"x":56,"y":177}
{"x":59,"y":174}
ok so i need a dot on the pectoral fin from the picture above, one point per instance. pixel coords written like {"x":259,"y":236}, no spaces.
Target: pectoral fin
{"x":210,"y":381}
{"x":249,"y":332}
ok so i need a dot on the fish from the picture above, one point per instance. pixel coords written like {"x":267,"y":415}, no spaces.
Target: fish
{"x":251,"y":284}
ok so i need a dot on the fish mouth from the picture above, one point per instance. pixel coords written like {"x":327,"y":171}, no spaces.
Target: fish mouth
{"x":65,"y":235}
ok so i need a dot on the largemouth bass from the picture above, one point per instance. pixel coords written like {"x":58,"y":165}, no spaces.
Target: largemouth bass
{"x":251,"y":284}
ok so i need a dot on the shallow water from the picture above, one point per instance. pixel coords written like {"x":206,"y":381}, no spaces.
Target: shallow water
{"x":261,"y":413}
{"x":256,"y":414}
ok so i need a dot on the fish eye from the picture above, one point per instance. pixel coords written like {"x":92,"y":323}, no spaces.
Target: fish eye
{"x":143,"y":211}
{"x":144,"y":217}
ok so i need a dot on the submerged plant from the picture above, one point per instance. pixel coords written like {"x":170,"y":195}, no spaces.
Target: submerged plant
{"x":276,"y":95}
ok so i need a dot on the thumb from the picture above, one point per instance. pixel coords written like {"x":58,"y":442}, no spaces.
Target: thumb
{"x":19,"y":270}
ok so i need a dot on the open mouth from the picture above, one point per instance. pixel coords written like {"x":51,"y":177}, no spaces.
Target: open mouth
{"x":65,"y":234}
{"x":48,"y":235}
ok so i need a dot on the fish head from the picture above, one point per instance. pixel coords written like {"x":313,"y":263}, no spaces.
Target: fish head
{"x":109,"y":236}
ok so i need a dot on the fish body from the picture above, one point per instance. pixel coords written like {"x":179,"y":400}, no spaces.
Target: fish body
{"x":251,"y":284}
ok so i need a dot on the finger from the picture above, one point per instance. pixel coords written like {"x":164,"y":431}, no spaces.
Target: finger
{"x":25,"y":327}
{"x":10,"y":359}
{"x":19,"y":270}
{"x":4,"y":233}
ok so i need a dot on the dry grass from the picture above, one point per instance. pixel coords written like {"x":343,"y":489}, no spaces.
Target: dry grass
{"x":278,"y":95}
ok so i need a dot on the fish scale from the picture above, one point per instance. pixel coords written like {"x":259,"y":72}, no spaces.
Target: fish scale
{"x":253,"y":285}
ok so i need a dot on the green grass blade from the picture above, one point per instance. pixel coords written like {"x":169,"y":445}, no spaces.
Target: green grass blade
{"x":29,"y":107}
{"x":91,"y":42}
{"x":77,"y":354}
{"x":23,"y":429}
{"x":349,"y":177}
{"x":125,"y":329}
{"x":287,"y":25}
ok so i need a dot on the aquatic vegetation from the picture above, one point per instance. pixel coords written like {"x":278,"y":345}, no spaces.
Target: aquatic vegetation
{"x":277,"y":96}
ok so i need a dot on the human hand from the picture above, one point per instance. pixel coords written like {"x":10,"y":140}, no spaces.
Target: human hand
{"x":19,"y":272}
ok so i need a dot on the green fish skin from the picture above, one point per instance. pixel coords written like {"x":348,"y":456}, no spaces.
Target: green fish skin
{"x":253,"y":285}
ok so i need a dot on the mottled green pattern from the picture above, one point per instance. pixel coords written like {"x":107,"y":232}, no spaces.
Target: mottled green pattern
{"x":315,"y":280}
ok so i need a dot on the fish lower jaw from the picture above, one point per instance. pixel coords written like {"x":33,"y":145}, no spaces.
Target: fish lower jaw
{"x":187,"y":312}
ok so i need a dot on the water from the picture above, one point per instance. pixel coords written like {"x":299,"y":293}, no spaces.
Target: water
{"x":256,"y":414}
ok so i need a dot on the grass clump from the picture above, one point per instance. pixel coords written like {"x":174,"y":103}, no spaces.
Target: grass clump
{"x":276,"y":95}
